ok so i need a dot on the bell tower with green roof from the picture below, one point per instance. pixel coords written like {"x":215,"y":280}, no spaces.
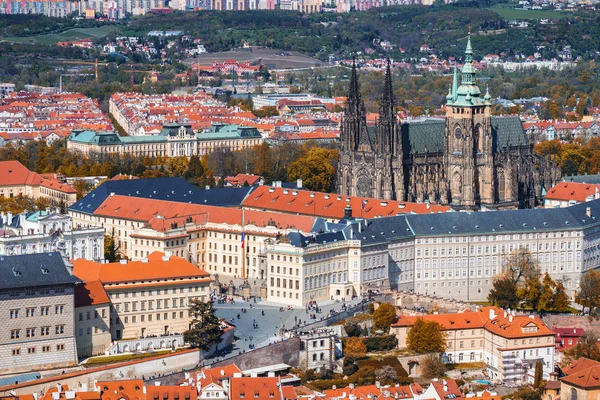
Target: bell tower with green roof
{"x":468,"y":140}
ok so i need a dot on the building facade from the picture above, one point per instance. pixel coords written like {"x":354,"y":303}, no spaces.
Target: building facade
{"x":44,"y":231}
{"x":469,"y":160}
{"x":92,"y":319}
{"x":37,"y":304}
{"x":150,"y":296}
{"x":509,"y":344}
{"x":174,"y":140}
{"x":17,"y":180}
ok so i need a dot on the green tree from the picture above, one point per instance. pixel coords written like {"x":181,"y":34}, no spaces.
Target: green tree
{"x":426,"y":337}
{"x":205,"y":329}
{"x":195,"y":170}
{"x":538,"y":375}
{"x":384,"y":316}
{"x":111,"y":248}
{"x":503,"y":293}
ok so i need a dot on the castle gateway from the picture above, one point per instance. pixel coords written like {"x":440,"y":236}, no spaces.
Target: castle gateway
{"x":469,"y":160}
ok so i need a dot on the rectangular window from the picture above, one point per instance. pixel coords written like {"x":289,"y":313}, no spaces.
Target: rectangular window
{"x":15,"y":333}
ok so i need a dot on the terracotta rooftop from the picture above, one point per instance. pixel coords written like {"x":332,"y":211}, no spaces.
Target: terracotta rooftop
{"x":331,"y":205}
{"x":587,"y":379}
{"x":263,"y":388}
{"x":155,"y":268}
{"x":573,"y":191}
{"x":90,"y":293}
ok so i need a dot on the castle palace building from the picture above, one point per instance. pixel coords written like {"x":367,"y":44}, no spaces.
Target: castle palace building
{"x":468,"y":160}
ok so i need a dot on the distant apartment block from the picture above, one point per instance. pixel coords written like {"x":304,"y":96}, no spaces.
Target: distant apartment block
{"x":37,"y":306}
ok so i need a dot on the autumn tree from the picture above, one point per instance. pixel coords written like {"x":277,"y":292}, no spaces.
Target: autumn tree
{"x":384,"y":316}
{"x":315,"y":169}
{"x":503,"y":293}
{"x":519,"y":265}
{"x":426,"y":337}
{"x":352,"y":328}
{"x":587,"y":346}
{"x":354,"y":348}
{"x":589,"y":292}
{"x":386,"y":375}
{"x":433,"y":367}
{"x":205,"y":329}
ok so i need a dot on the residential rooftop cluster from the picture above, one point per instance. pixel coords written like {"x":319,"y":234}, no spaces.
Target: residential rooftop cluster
{"x":26,"y":116}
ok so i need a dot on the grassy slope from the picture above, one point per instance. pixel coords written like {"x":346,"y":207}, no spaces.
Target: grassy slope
{"x":517,"y":14}
{"x":69,"y":35}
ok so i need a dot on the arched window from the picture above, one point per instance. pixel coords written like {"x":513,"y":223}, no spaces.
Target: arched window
{"x":573,"y":394}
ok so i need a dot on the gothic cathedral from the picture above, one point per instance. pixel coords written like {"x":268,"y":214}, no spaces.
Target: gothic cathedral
{"x":469,"y":160}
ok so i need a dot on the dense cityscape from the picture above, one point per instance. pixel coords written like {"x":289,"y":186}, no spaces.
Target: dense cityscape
{"x":299,"y":200}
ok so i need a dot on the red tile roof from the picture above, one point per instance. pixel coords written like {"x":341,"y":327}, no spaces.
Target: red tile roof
{"x":90,"y":293}
{"x":14,"y":173}
{"x":579,"y":365}
{"x":499,"y":324}
{"x":328,"y":205}
{"x":241,"y":179}
{"x":158,"y":212}
{"x":171,"y":393}
{"x":580,"y":192}
{"x":587,"y":379}
{"x":155,"y":268}
{"x":263,"y":388}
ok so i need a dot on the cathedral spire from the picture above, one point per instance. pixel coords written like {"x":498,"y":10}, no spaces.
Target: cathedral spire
{"x":468,"y":71}
{"x":354,"y":89}
{"x":388,"y":102}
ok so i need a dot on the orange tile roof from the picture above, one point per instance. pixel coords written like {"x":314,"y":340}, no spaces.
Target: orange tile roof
{"x":241,"y":179}
{"x":360,"y":392}
{"x":215,"y":375}
{"x":254,"y":388}
{"x":171,"y":393}
{"x":499,"y":325}
{"x":587,"y":379}
{"x":90,"y":293}
{"x":572,"y":191}
{"x":330,"y":205}
{"x":396,"y":392}
{"x":288,"y":393}
{"x":463,"y":320}
{"x":14,"y":173}
{"x":55,"y":185}
{"x":155,"y":268}
{"x":446,"y":387}
{"x":579,"y":365}
{"x":486,"y":396}
{"x":502,"y":325}
{"x":146,"y":210}
{"x":117,"y":390}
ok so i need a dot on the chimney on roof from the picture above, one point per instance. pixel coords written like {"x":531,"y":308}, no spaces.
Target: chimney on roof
{"x":492,"y":313}
{"x":299,"y":183}
{"x":504,"y":313}
{"x":588,"y":212}
{"x":333,"y":387}
{"x":123,"y":261}
{"x":207,"y":187}
{"x":271,"y":374}
{"x":510,"y":318}
{"x":144,"y":260}
{"x":348,"y":212}
{"x":8,"y":218}
{"x":377,"y":384}
{"x":531,"y":316}
{"x":222,"y":372}
{"x":144,"y":389}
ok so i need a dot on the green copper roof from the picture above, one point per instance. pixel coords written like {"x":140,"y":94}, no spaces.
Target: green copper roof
{"x":222,"y":132}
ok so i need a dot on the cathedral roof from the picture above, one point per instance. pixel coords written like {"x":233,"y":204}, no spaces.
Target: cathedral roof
{"x":427,"y":136}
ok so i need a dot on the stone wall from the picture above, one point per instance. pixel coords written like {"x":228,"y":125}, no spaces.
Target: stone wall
{"x":430,"y":303}
{"x":86,"y":379}
{"x":285,"y":352}
{"x":572,"y":321}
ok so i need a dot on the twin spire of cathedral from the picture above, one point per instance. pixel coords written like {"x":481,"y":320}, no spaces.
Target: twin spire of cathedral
{"x":355,"y":116}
